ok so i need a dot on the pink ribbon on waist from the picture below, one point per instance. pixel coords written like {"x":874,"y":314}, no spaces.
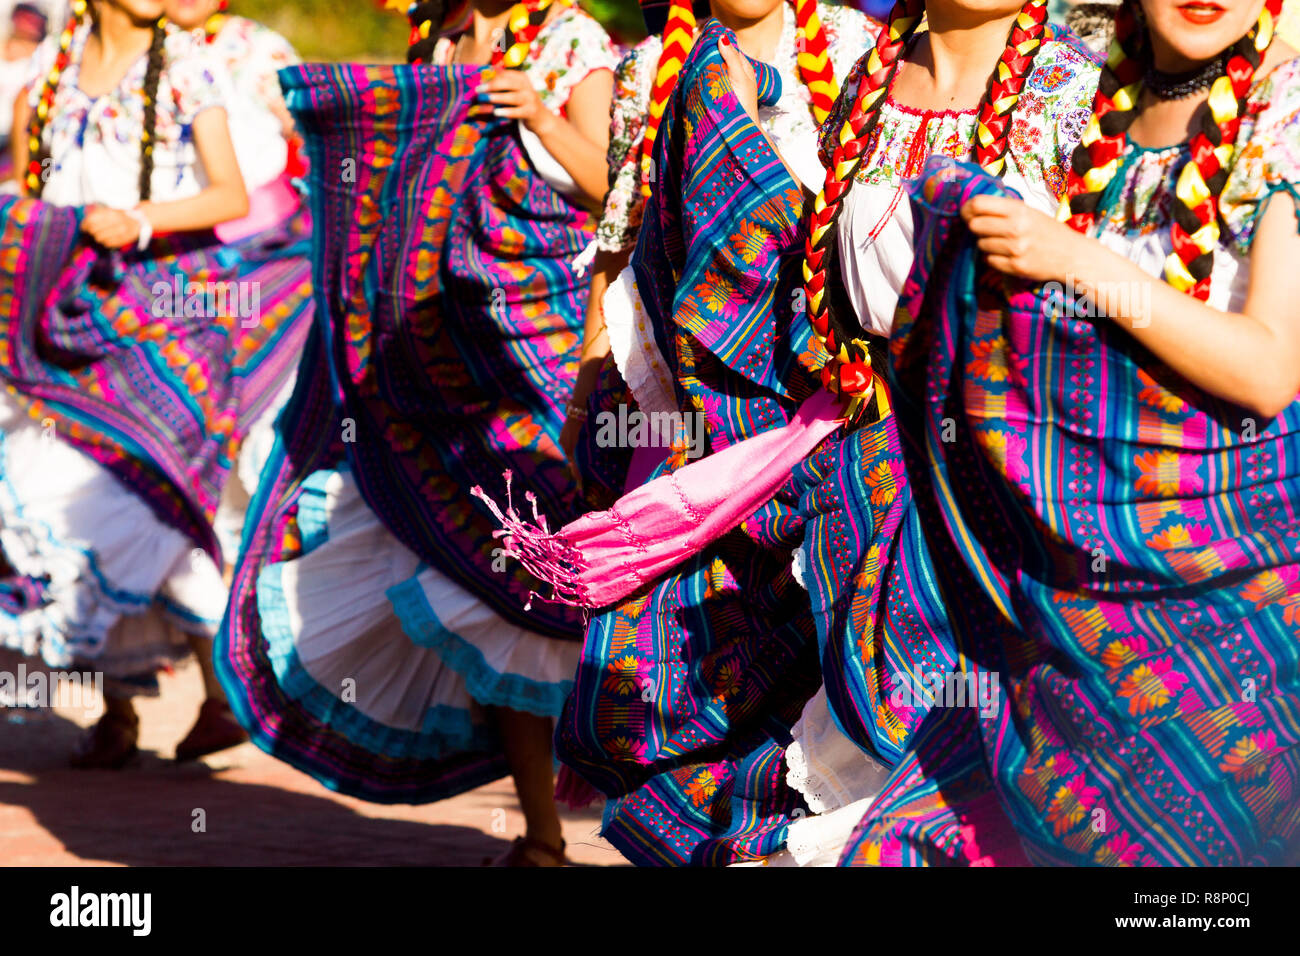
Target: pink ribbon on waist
{"x":602,"y":557}
{"x":267,"y":206}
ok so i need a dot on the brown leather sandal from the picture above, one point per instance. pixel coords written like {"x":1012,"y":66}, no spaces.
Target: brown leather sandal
{"x":520,"y":852}
{"x":109,"y":745}
{"x":215,"y":729}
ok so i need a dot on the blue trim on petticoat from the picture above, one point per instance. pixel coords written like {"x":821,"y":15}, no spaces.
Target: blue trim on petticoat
{"x":444,"y":730}
{"x":183,"y":615}
{"x":313,"y":519}
{"x":486,"y":685}
{"x":11,"y":493}
{"x":60,"y":645}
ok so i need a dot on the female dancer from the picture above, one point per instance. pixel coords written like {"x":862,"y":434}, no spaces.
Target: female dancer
{"x":23,"y":32}
{"x":127,"y":399}
{"x":720,"y":629}
{"x":810,"y":44}
{"x":375,"y":638}
{"x":887,"y":139}
{"x":261,"y":128}
{"x":1112,"y":511}
{"x":882,"y":623}
{"x":269,"y":154}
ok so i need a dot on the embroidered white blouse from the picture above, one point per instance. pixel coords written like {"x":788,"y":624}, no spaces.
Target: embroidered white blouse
{"x":93,"y":142}
{"x":253,"y":54}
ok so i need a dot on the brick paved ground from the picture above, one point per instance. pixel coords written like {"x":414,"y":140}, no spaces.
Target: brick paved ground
{"x":258,"y":810}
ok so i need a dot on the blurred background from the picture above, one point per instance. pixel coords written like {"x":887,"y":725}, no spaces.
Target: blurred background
{"x":359,"y":30}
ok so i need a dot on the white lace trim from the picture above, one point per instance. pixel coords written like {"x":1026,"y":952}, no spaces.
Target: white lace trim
{"x":799,"y":567}
{"x":632,"y":343}
{"x":820,"y":840}
{"x":828,"y":768}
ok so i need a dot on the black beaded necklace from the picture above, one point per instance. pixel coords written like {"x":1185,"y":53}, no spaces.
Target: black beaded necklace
{"x":1178,"y":86}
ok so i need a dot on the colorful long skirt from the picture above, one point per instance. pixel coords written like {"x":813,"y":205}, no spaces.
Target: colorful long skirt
{"x":882,"y":624}
{"x":374,"y":620}
{"x":1125,"y":558}
{"x":686,"y":693}
{"x":130,"y":383}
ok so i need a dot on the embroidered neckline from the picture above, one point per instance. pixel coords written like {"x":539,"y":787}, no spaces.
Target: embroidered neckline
{"x":927,"y":114}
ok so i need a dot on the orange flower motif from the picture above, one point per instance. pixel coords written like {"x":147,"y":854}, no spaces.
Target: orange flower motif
{"x":751,"y":243}
{"x":814,"y":355}
{"x":866,"y":579}
{"x":1273,"y":587}
{"x":1122,"y":653}
{"x":883,"y":481}
{"x":623,"y":675}
{"x":1180,"y":536}
{"x":1151,"y":685}
{"x":1070,"y":804}
{"x":1166,"y":473}
{"x":715,"y":292}
{"x":702,"y":787}
{"x":1157,"y":396}
{"x":718,"y":81}
{"x":1250,"y":756}
{"x":990,"y":361}
{"x":890,"y":723}
{"x":1119,"y":851}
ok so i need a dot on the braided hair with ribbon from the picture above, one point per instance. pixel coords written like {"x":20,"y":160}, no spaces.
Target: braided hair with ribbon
{"x":1195,"y":230}
{"x":212,"y":26}
{"x":34,"y":179}
{"x":523,"y":22}
{"x":814,"y":60}
{"x":848,"y":370}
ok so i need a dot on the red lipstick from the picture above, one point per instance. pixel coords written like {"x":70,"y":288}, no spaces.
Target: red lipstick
{"x":1201,"y":12}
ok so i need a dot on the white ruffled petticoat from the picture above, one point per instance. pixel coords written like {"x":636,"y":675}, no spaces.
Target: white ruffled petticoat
{"x":838,"y":782}
{"x":124,"y":589}
{"x":359,"y":621}
{"x":242,"y":484}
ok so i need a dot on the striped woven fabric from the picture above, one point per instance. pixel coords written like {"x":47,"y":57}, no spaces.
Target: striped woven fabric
{"x":153,"y":365}
{"x":444,"y":352}
{"x":881,"y":619}
{"x":686,"y":693}
{"x":1125,"y":560}
{"x":454,"y":313}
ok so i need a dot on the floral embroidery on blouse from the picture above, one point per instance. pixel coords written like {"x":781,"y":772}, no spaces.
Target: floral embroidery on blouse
{"x":254,"y":54}
{"x":191,"y":82}
{"x":848,"y":33}
{"x":1047,"y":124}
{"x":1268,"y":159}
{"x":259,"y":118}
{"x":570,"y":47}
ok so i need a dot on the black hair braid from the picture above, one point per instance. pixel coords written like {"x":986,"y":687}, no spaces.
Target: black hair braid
{"x":152,"y":80}
{"x":431,"y":12}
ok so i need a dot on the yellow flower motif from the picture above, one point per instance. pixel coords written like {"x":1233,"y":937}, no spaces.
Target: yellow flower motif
{"x":621,"y":675}
{"x":702,"y":787}
{"x":1157,"y":396}
{"x":1177,"y":536}
{"x":1162,"y":474}
{"x":1249,"y":757}
{"x":990,"y":361}
{"x":1269,"y":587}
{"x":751,"y":243}
{"x":1151,"y":685}
{"x":883,"y":482}
{"x":1117,"y":654}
